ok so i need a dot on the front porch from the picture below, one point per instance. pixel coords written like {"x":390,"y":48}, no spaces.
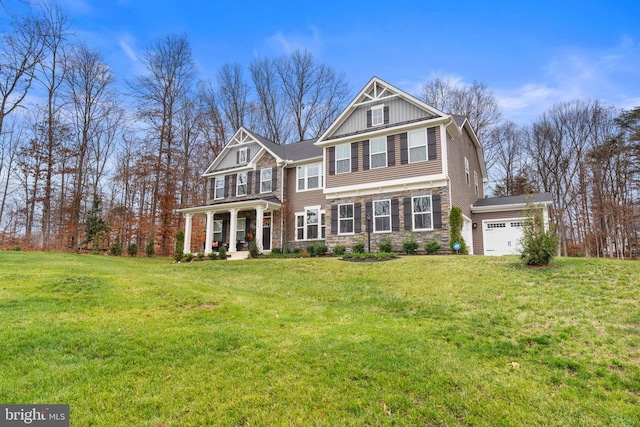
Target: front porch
{"x":233,"y":225}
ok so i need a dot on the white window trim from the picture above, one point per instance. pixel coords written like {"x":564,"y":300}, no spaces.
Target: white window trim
{"x":243,"y":222}
{"x":305,"y":176}
{"x":467,"y":176}
{"x":353,"y":224}
{"x":475,"y":181}
{"x":424,"y":144}
{"x":348,"y":158}
{"x":384,"y":151}
{"x":321,"y":225}
{"x":215,"y":223}
{"x":246,"y":160}
{"x":377,"y":108}
{"x":373,"y":208}
{"x":263,"y":181}
{"x":413,"y":214}
{"x":238,"y":184}
{"x":215,"y":191}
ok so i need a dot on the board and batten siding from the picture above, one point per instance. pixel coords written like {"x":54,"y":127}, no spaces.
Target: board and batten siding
{"x":388,"y":173}
{"x":399,"y":111}
{"x":462,"y":194}
{"x":231,"y":158}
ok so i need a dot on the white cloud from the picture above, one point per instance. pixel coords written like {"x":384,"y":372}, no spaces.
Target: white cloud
{"x":281,"y":42}
{"x":608,"y":75}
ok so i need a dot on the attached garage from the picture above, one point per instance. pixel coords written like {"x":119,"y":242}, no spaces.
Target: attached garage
{"x":502,"y":237}
{"x":498,"y":222}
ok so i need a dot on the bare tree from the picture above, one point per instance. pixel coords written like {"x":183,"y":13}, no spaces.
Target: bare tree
{"x":20,"y":52}
{"x":170,"y":76}
{"x":510,"y":160}
{"x":51,"y":75}
{"x":233,"y":92}
{"x":92,"y":100}
{"x":212,"y":124}
{"x":271,"y":104}
{"x":476,"y":102}
{"x":314,"y":93}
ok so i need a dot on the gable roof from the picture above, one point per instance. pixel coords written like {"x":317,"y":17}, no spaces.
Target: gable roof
{"x":374,"y":91}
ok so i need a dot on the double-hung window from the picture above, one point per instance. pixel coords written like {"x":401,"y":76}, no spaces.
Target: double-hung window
{"x":217,"y":230}
{"x":242,"y":156}
{"x":475,"y":181}
{"x":241,"y":186}
{"x":310,"y":224}
{"x":265,"y":180}
{"x":219,"y":192}
{"x":381,"y":216}
{"x":343,"y":158}
{"x":378,"y":152}
{"x":422,"y":213}
{"x":417,"y":146}
{"x":309,"y":177}
{"x":241,"y":224}
{"x":467,"y":177}
{"x":345,"y":218}
{"x":377,"y":115}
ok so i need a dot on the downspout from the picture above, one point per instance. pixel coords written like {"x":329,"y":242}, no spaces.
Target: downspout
{"x":282,"y":167}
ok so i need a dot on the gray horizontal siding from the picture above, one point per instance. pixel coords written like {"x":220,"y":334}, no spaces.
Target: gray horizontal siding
{"x":230,"y":160}
{"x":399,"y":171}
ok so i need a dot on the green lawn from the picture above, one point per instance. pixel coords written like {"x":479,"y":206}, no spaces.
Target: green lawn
{"x":455,"y":340}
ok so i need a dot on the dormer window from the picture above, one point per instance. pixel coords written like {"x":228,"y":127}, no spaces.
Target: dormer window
{"x":377,"y":115}
{"x":243,"y":155}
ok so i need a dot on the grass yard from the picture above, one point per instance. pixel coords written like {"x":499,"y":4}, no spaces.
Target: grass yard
{"x":415,"y":341}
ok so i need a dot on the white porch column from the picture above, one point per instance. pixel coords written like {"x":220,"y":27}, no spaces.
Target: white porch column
{"x":187,"y":233}
{"x":233,"y":223}
{"x":259,"y":218}
{"x":209,"y":235}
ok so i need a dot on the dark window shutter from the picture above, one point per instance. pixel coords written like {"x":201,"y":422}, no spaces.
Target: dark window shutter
{"x":334,"y":219}
{"x":391,"y":150}
{"x":257,"y":182}
{"x":368,"y":211}
{"x":224,"y":231}
{"x":354,"y":157}
{"x":369,"y":118}
{"x":226,"y":186}
{"x":431,"y":144}
{"x":404,"y":149}
{"x":274,"y":179}
{"x":357,"y":220}
{"x":248,"y":155}
{"x":395,"y":215}
{"x":365,"y":155}
{"x":247,"y":226}
{"x":212,"y":188}
{"x":385,"y":111}
{"x":437,"y":211}
{"x":238,"y":157}
{"x":331,"y":154}
{"x":249,"y":176}
{"x":234,"y":180}
{"x":408,"y":213}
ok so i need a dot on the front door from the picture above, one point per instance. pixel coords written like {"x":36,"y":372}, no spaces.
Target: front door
{"x":266,"y":232}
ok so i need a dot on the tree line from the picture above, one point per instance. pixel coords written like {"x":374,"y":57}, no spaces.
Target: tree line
{"x":79,"y":149}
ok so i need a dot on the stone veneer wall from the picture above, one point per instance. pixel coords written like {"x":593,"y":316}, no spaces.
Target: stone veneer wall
{"x":397,"y":237}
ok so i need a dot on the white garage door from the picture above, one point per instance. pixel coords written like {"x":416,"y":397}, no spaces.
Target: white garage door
{"x":502,"y":237}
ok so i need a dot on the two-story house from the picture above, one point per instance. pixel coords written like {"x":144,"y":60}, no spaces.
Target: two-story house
{"x":390,"y":165}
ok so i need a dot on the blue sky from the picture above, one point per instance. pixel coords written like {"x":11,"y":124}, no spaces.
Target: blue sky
{"x":531,"y":54}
